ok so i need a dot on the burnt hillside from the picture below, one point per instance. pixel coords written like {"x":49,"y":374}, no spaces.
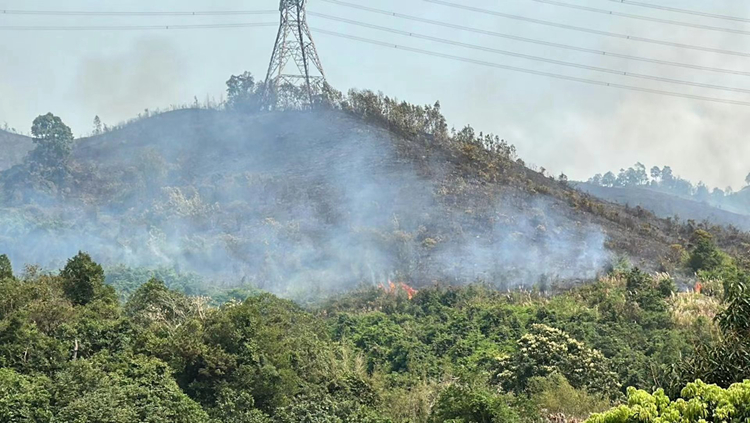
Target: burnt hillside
{"x":330,"y":199}
{"x":668,"y":205}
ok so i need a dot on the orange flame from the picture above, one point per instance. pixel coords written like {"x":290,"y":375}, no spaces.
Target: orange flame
{"x":392,"y":288}
{"x":410,"y":292}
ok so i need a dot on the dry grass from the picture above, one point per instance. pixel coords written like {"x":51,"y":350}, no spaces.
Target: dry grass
{"x":688,"y":307}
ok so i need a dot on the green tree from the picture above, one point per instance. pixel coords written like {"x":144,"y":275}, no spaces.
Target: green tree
{"x":546,"y":350}
{"x":461,"y":404}
{"x":6,"y":270}
{"x":243,"y":94}
{"x":699,"y":403}
{"x":23,"y":399}
{"x":705,"y":255}
{"x":83,"y":280}
{"x":53,"y":141}
{"x":138,"y":390}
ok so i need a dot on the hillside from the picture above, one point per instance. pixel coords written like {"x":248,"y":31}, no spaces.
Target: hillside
{"x":435,"y":279}
{"x":298,"y":203}
{"x":668,"y":205}
{"x":14,"y":147}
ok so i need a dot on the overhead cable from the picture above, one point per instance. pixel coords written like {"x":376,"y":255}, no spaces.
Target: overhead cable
{"x":569,"y":27}
{"x":643,"y":18}
{"x":545,"y":43}
{"x":528,"y":56}
{"x":678,"y":10}
{"x":133,"y":27}
{"x":136,"y":13}
{"x":531,"y":71}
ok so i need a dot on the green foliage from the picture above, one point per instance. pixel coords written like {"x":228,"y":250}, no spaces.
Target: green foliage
{"x":553,"y":395}
{"x":705,"y":255}
{"x":138,"y":389}
{"x":83,"y":280}
{"x":545,"y":351}
{"x":698,"y":403}
{"x":462,"y":404}
{"x":23,"y":399}
{"x":243,"y":94}
{"x":53,"y":141}
{"x":6,"y":270}
{"x":70,"y":352}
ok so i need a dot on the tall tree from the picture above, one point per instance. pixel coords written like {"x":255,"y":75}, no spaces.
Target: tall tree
{"x":53,"y":140}
{"x":243,"y":93}
{"x":83,"y":279}
{"x":97,"y":125}
{"x":6,"y":270}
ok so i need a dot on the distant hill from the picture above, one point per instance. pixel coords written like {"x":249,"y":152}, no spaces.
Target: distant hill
{"x":323,"y":200}
{"x":667,"y":205}
{"x":14,"y":148}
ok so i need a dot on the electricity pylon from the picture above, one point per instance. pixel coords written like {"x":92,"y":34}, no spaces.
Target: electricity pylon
{"x":298,"y":85}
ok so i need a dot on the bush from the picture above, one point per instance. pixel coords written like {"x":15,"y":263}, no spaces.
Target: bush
{"x":463,"y":404}
{"x":699,"y":403}
{"x":545,"y":351}
{"x":554,"y":395}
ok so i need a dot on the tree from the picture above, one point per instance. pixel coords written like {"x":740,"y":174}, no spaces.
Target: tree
{"x":468,"y":404}
{"x":655,"y":172}
{"x":701,"y":192}
{"x":97,"y":125}
{"x":705,"y":254}
{"x":53,"y":141}
{"x":23,"y":398}
{"x":243,"y":94}
{"x":546,"y":350}
{"x":639,"y":175}
{"x":83,"y":279}
{"x":596,"y":180}
{"x":6,"y":270}
{"x":699,"y":402}
{"x":609,"y":179}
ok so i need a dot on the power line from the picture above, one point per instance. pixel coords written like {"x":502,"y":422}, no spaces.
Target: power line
{"x":678,"y":10}
{"x":135,"y":27}
{"x":569,"y":27}
{"x":643,"y":18}
{"x":530,"y":57}
{"x":531,"y":71}
{"x":135,"y":13}
{"x":547,"y":43}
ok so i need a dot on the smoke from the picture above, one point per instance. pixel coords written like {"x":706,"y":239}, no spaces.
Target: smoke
{"x":294,"y":203}
{"x":117,"y":85}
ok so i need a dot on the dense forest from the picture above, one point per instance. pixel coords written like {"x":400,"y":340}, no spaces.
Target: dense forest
{"x":433,"y":278}
{"x":73,"y":350}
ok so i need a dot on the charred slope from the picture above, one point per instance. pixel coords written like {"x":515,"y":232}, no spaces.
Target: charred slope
{"x":292,"y":201}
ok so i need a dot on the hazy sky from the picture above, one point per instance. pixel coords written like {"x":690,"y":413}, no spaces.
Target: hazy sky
{"x":564,"y":126}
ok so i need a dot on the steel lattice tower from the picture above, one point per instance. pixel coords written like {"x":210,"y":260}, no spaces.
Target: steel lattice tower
{"x":295,"y":86}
